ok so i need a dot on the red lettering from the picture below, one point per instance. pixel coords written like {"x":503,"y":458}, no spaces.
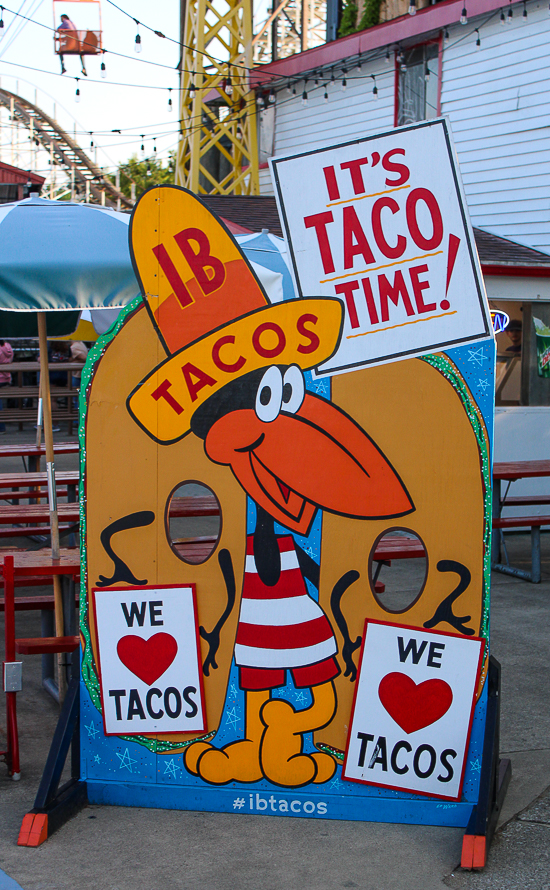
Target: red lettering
{"x":202,"y":379}
{"x":395,"y":167}
{"x":347,"y":288}
{"x":223,"y":366}
{"x":162,"y":393}
{"x":355,"y":240}
{"x":262,"y":350}
{"x":367,"y":287}
{"x":419,"y":286}
{"x":172,"y":275}
{"x":437,"y":222}
{"x":356,"y":174}
{"x":319,"y":222}
{"x":202,"y":260}
{"x":309,"y":335}
{"x":393,"y":292}
{"x":399,"y":249}
{"x":332,"y":185}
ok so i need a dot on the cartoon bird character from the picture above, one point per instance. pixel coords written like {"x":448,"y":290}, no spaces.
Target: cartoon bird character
{"x":234,"y":377}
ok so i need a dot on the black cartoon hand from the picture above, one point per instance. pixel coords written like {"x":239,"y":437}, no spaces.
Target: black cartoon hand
{"x":349,"y":646}
{"x":212,"y":637}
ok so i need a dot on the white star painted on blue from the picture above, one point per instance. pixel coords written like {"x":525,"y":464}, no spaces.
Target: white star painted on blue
{"x":475,"y":765}
{"x":97,"y":758}
{"x":301,"y":698}
{"x":171,"y":769}
{"x":483,"y":384}
{"x":92,"y":730}
{"x":231,"y":717}
{"x":477,"y":356}
{"x":126,"y":761}
{"x":320,"y":387}
{"x":336,"y":784}
{"x":310,"y":552}
{"x":233,"y":689}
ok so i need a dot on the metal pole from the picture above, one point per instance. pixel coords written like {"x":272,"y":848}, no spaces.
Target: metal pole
{"x":52,"y":492}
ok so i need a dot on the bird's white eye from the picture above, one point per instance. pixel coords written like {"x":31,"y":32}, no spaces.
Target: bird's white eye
{"x":269,"y":396}
{"x":293,"y":390}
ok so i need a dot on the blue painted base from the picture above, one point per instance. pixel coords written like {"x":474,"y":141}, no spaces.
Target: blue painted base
{"x":295,"y":804}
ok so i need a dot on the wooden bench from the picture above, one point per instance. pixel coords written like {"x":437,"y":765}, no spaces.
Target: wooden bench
{"x":23,"y":519}
{"x":46,"y":645}
{"x":44,"y":603}
{"x":513,"y":522}
{"x":35,"y":452}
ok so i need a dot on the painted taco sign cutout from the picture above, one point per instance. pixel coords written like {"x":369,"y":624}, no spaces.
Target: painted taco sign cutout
{"x":205,"y":383}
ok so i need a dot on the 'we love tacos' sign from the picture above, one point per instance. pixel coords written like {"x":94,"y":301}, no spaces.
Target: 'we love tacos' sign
{"x":412,"y":712}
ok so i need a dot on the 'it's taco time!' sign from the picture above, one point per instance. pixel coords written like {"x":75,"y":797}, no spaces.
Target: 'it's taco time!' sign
{"x":381,"y":224}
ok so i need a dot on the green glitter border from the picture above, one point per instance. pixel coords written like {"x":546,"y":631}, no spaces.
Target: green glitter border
{"x":440,"y":362}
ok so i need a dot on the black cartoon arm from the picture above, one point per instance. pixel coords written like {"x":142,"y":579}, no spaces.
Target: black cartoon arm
{"x":444,"y":611}
{"x":122,"y":571}
{"x":349,"y":647}
{"x":213,"y":637}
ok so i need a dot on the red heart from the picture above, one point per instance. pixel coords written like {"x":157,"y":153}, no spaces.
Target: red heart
{"x":414,"y":706}
{"x":147,"y":659}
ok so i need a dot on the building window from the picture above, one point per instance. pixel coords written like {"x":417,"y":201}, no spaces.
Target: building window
{"x":523,"y":353}
{"x":418,"y":84}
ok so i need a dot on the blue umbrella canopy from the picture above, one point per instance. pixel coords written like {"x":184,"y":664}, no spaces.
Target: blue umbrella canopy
{"x":56,"y":255}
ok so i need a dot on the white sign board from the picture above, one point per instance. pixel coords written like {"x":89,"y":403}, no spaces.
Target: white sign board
{"x":382,"y":224}
{"x":413,"y":709}
{"x":149,"y":660}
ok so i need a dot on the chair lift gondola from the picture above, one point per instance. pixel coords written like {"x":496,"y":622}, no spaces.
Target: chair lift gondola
{"x":78,"y":31}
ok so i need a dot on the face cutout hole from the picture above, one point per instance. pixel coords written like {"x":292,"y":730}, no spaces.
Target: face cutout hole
{"x":399,"y":563}
{"x":193,"y":522}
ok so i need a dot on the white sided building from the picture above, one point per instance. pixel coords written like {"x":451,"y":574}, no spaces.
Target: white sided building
{"x":490,"y":76}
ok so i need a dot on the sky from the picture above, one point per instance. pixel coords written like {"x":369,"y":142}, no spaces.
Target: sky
{"x":132,"y":98}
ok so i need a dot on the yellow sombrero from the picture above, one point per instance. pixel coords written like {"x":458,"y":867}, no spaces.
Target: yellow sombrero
{"x":210,"y":312}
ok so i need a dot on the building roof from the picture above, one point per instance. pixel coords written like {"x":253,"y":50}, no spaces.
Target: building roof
{"x":402,"y":31}
{"x":498,"y":256}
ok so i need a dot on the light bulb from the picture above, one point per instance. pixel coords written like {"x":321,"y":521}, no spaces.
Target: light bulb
{"x":137,"y":43}
{"x":103,"y":71}
{"x":325,"y":96}
{"x":272,"y":98}
{"x":412,"y":7}
{"x":77,"y":95}
{"x":228,"y":86}
{"x":387,"y":59}
{"x":344,"y":84}
{"x":260,"y":102}
{"x":502,"y":17}
{"x":375,"y":91}
{"x":192,"y":91}
{"x":524,"y":14}
{"x":463,"y":16}
{"x":304,"y":98}
{"x":426,"y":73}
{"x":170,"y":103}
{"x":478,"y":41}
{"x":446,"y":36}
{"x":510,"y":16}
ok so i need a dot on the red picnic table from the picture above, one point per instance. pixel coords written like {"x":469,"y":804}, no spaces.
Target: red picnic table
{"x":35,"y":452}
{"x":511,"y":471}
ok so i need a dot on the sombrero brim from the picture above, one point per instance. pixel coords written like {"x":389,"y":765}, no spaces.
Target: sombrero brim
{"x":303,"y":332}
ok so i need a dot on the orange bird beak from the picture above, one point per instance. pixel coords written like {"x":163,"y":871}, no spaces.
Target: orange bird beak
{"x":317,"y":457}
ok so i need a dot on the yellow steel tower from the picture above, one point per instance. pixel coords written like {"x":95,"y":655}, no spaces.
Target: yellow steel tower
{"x":218,"y":149}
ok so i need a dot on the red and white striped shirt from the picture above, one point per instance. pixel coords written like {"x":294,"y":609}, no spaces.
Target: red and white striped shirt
{"x":280,"y":626}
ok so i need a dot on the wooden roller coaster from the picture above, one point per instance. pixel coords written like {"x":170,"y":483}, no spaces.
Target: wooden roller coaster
{"x":87,"y":177}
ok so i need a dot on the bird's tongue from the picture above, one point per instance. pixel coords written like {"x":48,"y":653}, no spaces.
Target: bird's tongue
{"x":284,"y":489}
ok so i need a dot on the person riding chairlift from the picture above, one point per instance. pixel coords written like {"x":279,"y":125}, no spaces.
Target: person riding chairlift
{"x":72,"y":34}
